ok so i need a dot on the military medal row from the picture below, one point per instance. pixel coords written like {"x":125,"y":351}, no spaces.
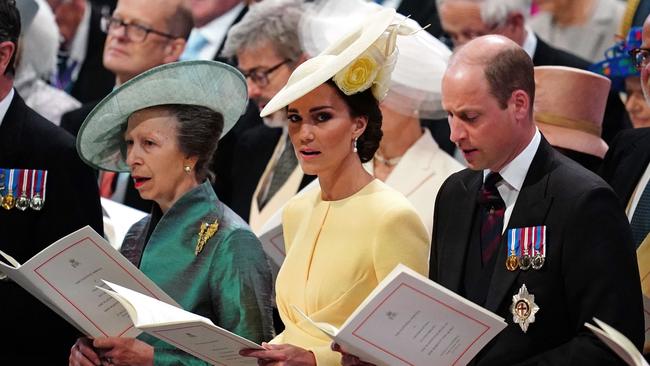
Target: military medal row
{"x":22,"y":188}
{"x":526,"y":248}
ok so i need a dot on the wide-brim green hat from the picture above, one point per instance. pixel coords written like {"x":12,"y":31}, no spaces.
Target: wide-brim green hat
{"x":214,"y":85}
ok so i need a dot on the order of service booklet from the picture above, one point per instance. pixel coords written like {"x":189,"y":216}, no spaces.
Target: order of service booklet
{"x":65,"y":275}
{"x":619,"y":343}
{"x":410,"y":320}
{"x":184,"y":330}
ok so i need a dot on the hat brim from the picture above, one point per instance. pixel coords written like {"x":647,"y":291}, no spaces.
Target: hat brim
{"x":575,"y":140}
{"x":316,"y":71}
{"x":214,"y":85}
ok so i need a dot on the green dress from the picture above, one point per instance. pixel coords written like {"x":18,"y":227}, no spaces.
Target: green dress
{"x":228,"y":281}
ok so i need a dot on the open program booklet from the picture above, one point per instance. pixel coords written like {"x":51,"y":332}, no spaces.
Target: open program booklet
{"x":65,"y":276}
{"x":619,"y":343}
{"x":411,"y":320}
{"x":189,"y":332}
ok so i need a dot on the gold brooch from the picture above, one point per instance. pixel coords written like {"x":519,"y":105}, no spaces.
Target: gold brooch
{"x":207,"y":231}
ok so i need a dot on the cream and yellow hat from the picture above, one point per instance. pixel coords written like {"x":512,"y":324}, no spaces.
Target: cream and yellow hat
{"x":363,"y":58}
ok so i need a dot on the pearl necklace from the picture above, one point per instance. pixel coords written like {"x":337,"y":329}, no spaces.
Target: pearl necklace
{"x":388,"y":162}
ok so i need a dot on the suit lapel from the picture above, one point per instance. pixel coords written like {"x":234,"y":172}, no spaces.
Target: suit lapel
{"x":634,"y":164}
{"x":531,"y":209}
{"x":11,"y":131}
{"x":457,"y":236}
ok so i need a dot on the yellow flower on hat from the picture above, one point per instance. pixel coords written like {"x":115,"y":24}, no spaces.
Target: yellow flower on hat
{"x":358,"y":75}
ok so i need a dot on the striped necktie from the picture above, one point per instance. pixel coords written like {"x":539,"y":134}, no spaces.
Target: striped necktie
{"x":491,"y":208}
{"x":640,"y":223}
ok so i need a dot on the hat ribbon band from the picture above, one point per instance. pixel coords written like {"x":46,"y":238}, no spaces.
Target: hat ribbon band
{"x":574,"y":124}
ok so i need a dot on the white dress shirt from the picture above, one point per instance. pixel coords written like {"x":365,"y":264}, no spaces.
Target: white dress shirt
{"x":4,"y":105}
{"x":215,"y":32}
{"x":514,"y":174}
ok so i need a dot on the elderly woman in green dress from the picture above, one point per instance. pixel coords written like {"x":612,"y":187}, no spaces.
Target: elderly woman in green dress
{"x":163,"y":127}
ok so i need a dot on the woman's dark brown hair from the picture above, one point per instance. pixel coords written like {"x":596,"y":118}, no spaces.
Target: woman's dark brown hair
{"x":364,"y":104}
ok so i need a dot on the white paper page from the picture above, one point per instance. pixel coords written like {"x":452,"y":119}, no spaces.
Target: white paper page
{"x":67,"y":273}
{"x":414,"y":321}
{"x":149,"y":311}
{"x":122,"y":217}
{"x":619,"y":343}
{"x":273,"y":244}
{"x":646,"y":317}
{"x":192,"y":333}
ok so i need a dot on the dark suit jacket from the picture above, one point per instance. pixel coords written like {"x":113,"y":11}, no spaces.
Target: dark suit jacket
{"x":253,"y":151}
{"x":72,"y":121}
{"x":626,"y":161}
{"x":225,"y":158}
{"x":37,"y":335}
{"x":590,"y":269}
{"x":614,"y":119}
{"x":94,"y":80}
{"x":424,"y":12}
{"x":217,"y":56}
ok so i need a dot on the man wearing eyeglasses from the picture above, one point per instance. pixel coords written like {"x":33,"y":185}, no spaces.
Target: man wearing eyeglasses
{"x":141,"y":34}
{"x":627,"y":169}
{"x":265,"y":168}
{"x":464,"y":20}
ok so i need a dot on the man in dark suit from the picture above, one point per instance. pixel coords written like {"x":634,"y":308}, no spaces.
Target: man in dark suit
{"x":626,"y":162}
{"x":267,"y":48}
{"x":80,"y":71}
{"x":464,"y":20}
{"x":212,"y":20}
{"x":516,"y":180}
{"x":127,"y":54}
{"x":28,"y":141}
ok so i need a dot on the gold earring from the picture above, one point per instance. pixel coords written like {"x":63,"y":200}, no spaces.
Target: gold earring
{"x":187,"y":168}
{"x":355,"y":145}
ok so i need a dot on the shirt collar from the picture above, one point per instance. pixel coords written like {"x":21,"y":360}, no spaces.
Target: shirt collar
{"x":79,"y":43}
{"x":216,"y":30}
{"x":530,"y":43}
{"x":515,"y":171}
{"x":5,"y":103}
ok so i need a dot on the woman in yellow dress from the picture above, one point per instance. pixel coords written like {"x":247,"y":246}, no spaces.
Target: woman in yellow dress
{"x":344,"y":238}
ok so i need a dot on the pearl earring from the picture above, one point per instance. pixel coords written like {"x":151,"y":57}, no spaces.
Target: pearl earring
{"x":354,"y":149}
{"x":187,"y":168}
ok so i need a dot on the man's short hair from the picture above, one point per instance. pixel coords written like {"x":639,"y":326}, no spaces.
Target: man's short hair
{"x":10,"y":29}
{"x":274,"y":21}
{"x":510,"y":70}
{"x":495,"y":12}
{"x":180,"y":23}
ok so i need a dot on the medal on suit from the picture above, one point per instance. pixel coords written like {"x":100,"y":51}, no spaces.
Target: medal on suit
{"x":524,"y":258}
{"x":22,"y":203}
{"x":539,"y":249}
{"x":9,"y":200}
{"x":38,"y":189}
{"x":206,"y":232}
{"x":523,"y":308}
{"x":511,"y":261}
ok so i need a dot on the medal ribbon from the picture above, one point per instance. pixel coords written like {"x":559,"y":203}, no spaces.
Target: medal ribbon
{"x":525,"y":246}
{"x":23,"y":182}
{"x":543,"y":241}
{"x":33,"y":185}
{"x":13,"y":185}
{"x":44,"y":173}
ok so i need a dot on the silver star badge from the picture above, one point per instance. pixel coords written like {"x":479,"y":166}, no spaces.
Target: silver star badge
{"x":523,"y":308}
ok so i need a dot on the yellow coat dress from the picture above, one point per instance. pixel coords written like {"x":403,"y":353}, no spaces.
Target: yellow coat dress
{"x":337,"y":252}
